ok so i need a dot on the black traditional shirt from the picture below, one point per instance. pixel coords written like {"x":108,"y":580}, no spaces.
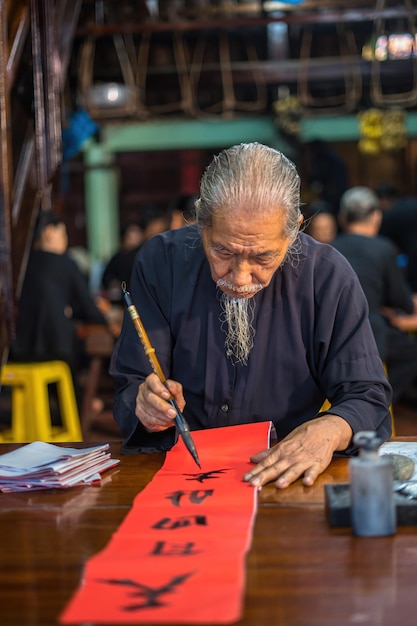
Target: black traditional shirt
{"x":313,"y":341}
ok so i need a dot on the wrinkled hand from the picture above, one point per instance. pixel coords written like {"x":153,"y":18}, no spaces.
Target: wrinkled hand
{"x":152,"y":407}
{"x":306,"y":451}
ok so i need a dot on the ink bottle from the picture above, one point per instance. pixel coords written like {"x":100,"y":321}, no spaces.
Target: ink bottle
{"x":373,"y":512}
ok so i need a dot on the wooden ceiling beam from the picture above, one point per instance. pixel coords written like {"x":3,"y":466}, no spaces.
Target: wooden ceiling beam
{"x":328,"y":16}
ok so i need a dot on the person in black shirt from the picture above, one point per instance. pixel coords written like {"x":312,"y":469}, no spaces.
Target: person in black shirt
{"x":117,"y":271}
{"x":120,"y":265}
{"x":399,"y":224}
{"x":54,"y":297}
{"x":374,"y":260}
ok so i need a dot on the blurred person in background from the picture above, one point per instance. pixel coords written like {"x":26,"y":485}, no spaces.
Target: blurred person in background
{"x":152,"y":221}
{"x":54,"y":299}
{"x":120,"y":265}
{"x":183,"y":211}
{"x":321,"y":223}
{"x":373,"y":258}
{"x":399,"y":224}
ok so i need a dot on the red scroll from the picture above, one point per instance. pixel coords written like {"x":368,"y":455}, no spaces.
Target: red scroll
{"x":179,"y":555}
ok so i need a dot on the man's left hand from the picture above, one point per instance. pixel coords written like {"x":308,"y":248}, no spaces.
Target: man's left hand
{"x":306,"y":452}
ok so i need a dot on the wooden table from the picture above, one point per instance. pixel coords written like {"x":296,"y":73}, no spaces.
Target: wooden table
{"x":300,"y":571}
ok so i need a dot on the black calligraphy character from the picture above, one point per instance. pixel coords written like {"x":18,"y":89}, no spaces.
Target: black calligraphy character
{"x":202,"y":476}
{"x":151,"y":597}
{"x":162,"y":548}
{"x":180,"y":522}
{"x":196,"y":497}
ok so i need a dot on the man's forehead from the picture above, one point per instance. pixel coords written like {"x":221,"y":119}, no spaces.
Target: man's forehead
{"x":266,"y":231}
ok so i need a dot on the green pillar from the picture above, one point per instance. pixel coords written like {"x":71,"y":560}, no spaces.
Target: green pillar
{"x":102,"y":202}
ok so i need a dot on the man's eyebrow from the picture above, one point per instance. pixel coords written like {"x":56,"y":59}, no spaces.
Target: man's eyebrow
{"x":220,"y":246}
{"x":267,"y":253}
{"x":260,"y":254}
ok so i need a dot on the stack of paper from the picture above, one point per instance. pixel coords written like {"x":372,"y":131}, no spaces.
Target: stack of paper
{"x":40,"y":465}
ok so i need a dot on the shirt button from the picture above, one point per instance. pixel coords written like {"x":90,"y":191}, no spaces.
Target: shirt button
{"x":224,"y":408}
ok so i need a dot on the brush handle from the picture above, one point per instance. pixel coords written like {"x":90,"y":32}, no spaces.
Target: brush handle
{"x":180,"y":420}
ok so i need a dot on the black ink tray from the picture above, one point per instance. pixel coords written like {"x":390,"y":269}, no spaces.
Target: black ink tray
{"x":337,"y":498}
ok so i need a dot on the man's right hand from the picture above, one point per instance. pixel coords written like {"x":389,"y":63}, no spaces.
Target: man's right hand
{"x":153,"y":408}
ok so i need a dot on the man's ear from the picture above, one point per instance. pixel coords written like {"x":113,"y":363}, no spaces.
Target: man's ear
{"x":48,"y":232}
{"x":300,"y":220}
{"x":377,"y":215}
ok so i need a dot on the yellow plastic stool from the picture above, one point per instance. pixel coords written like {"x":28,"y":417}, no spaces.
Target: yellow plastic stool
{"x":18,"y":430}
{"x":31,"y":413}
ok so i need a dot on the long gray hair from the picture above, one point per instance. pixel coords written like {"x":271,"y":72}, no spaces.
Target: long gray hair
{"x":261,"y":177}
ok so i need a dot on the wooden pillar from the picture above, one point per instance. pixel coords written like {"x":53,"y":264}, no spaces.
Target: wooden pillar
{"x":7,"y":321}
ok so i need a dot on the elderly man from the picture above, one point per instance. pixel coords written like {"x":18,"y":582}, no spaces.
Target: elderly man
{"x":251,"y":321}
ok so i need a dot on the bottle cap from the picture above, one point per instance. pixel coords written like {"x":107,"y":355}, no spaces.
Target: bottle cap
{"x":367,"y":441}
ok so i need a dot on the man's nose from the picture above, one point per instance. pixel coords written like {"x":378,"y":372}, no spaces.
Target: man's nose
{"x":242,"y":273}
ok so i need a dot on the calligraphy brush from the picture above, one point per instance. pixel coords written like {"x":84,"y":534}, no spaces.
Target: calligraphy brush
{"x":180,"y":421}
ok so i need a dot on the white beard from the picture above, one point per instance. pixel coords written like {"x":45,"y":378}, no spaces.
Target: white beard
{"x":237,"y":322}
